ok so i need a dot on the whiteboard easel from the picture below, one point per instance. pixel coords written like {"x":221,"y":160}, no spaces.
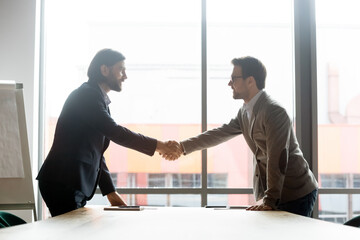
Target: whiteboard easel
{"x":18,"y":193}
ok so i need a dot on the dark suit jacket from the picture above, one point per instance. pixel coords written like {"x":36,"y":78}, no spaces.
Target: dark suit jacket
{"x":82,"y":134}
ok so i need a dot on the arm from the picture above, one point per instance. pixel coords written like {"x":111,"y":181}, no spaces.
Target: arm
{"x":107,"y":186}
{"x":212,"y":137}
{"x":93,"y":112}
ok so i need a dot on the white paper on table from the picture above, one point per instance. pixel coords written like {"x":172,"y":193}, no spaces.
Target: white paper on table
{"x":11,"y":164}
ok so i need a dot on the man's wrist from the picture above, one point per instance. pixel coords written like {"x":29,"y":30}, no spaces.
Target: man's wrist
{"x":271,"y":203}
{"x":159,"y":146}
{"x":182,"y":148}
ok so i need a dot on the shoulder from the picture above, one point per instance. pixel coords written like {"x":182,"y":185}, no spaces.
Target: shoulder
{"x":85,"y":97}
{"x":90,"y":89}
{"x":269,"y":108}
{"x":88,"y":92}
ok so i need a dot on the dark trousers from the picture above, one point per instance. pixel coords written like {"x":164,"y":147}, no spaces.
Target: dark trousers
{"x":302,"y":206}
{"x":61,"y":199}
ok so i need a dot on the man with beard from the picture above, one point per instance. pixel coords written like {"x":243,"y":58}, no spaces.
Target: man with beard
{"x":75,"y":164}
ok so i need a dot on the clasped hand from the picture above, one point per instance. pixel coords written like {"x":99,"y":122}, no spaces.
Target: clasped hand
{"x":170,"y":150}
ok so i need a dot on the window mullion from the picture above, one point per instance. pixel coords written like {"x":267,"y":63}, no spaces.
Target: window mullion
{"x":203,"y":102}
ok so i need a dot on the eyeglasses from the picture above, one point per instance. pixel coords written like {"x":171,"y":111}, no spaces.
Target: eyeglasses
{"x":232,"y":79}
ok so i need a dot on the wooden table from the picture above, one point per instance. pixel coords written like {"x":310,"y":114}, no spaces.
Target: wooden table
{"x":179,"y":223}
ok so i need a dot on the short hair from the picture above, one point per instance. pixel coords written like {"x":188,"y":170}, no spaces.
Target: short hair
{"x":252,"y":67}
{"x":107,"y":57}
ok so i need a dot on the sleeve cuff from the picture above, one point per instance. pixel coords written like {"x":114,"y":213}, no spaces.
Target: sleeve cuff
{"x":274,"y":203}
{"x":183,"y":147}
{"x":107,"y":190}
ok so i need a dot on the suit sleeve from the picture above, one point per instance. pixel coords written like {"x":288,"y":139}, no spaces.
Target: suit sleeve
{"x":212,"y":137}
{"x":98,"y":117}
{"x":106,"y":184}
{"x":278,"y":129}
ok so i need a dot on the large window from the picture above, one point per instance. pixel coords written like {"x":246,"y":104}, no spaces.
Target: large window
{"x":338,"y":35}
{"x":178,"y":65}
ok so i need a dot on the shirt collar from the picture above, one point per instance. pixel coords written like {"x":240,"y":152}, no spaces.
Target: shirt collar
{"x":250,"y":105}
{"x":106,"y":97}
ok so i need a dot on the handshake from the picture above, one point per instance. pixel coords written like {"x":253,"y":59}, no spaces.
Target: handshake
{"x":170,"y":150}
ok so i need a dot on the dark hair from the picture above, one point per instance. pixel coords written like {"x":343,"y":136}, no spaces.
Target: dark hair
{"x":107,"y":57}
{"x":252,"y":67}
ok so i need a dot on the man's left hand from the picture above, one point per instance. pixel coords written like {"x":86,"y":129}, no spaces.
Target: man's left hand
{"x":115,"y":199}
{"x":261,"y":207}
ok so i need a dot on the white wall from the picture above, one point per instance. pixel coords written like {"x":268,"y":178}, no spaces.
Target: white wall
{"x":18,"y":60}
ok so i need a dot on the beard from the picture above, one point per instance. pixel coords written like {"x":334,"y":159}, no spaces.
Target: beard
{"x":113,"y":83}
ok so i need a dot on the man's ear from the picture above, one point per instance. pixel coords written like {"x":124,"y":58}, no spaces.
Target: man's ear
{"x":252,"y":81}
{"x":104,"y":70}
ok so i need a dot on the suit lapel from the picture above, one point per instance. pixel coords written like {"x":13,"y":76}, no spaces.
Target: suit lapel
{"x":256,"y":108}
{"x":252,"y":121}
{"x":246,"y":129}
{"x":106,"y":140}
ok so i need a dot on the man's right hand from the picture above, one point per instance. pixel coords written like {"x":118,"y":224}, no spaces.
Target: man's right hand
{"x":170,"y":150}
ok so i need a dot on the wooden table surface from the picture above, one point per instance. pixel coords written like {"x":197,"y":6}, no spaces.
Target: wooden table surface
{"x":92,"y":222}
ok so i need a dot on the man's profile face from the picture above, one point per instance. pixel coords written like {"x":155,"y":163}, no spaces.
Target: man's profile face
{"x":115,"y":76}
{"x":238,"y":84}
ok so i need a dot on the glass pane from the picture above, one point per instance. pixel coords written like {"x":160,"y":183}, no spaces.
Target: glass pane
{"x":231,"y":200}
{"x":217,"y":180}
{"x":162,"y":50}
{"x":239,"y":28}
{"x":338,"y":37}
{"x":161,"y":200}
{"x":338,"y":208}
{"x":157,"y":180}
